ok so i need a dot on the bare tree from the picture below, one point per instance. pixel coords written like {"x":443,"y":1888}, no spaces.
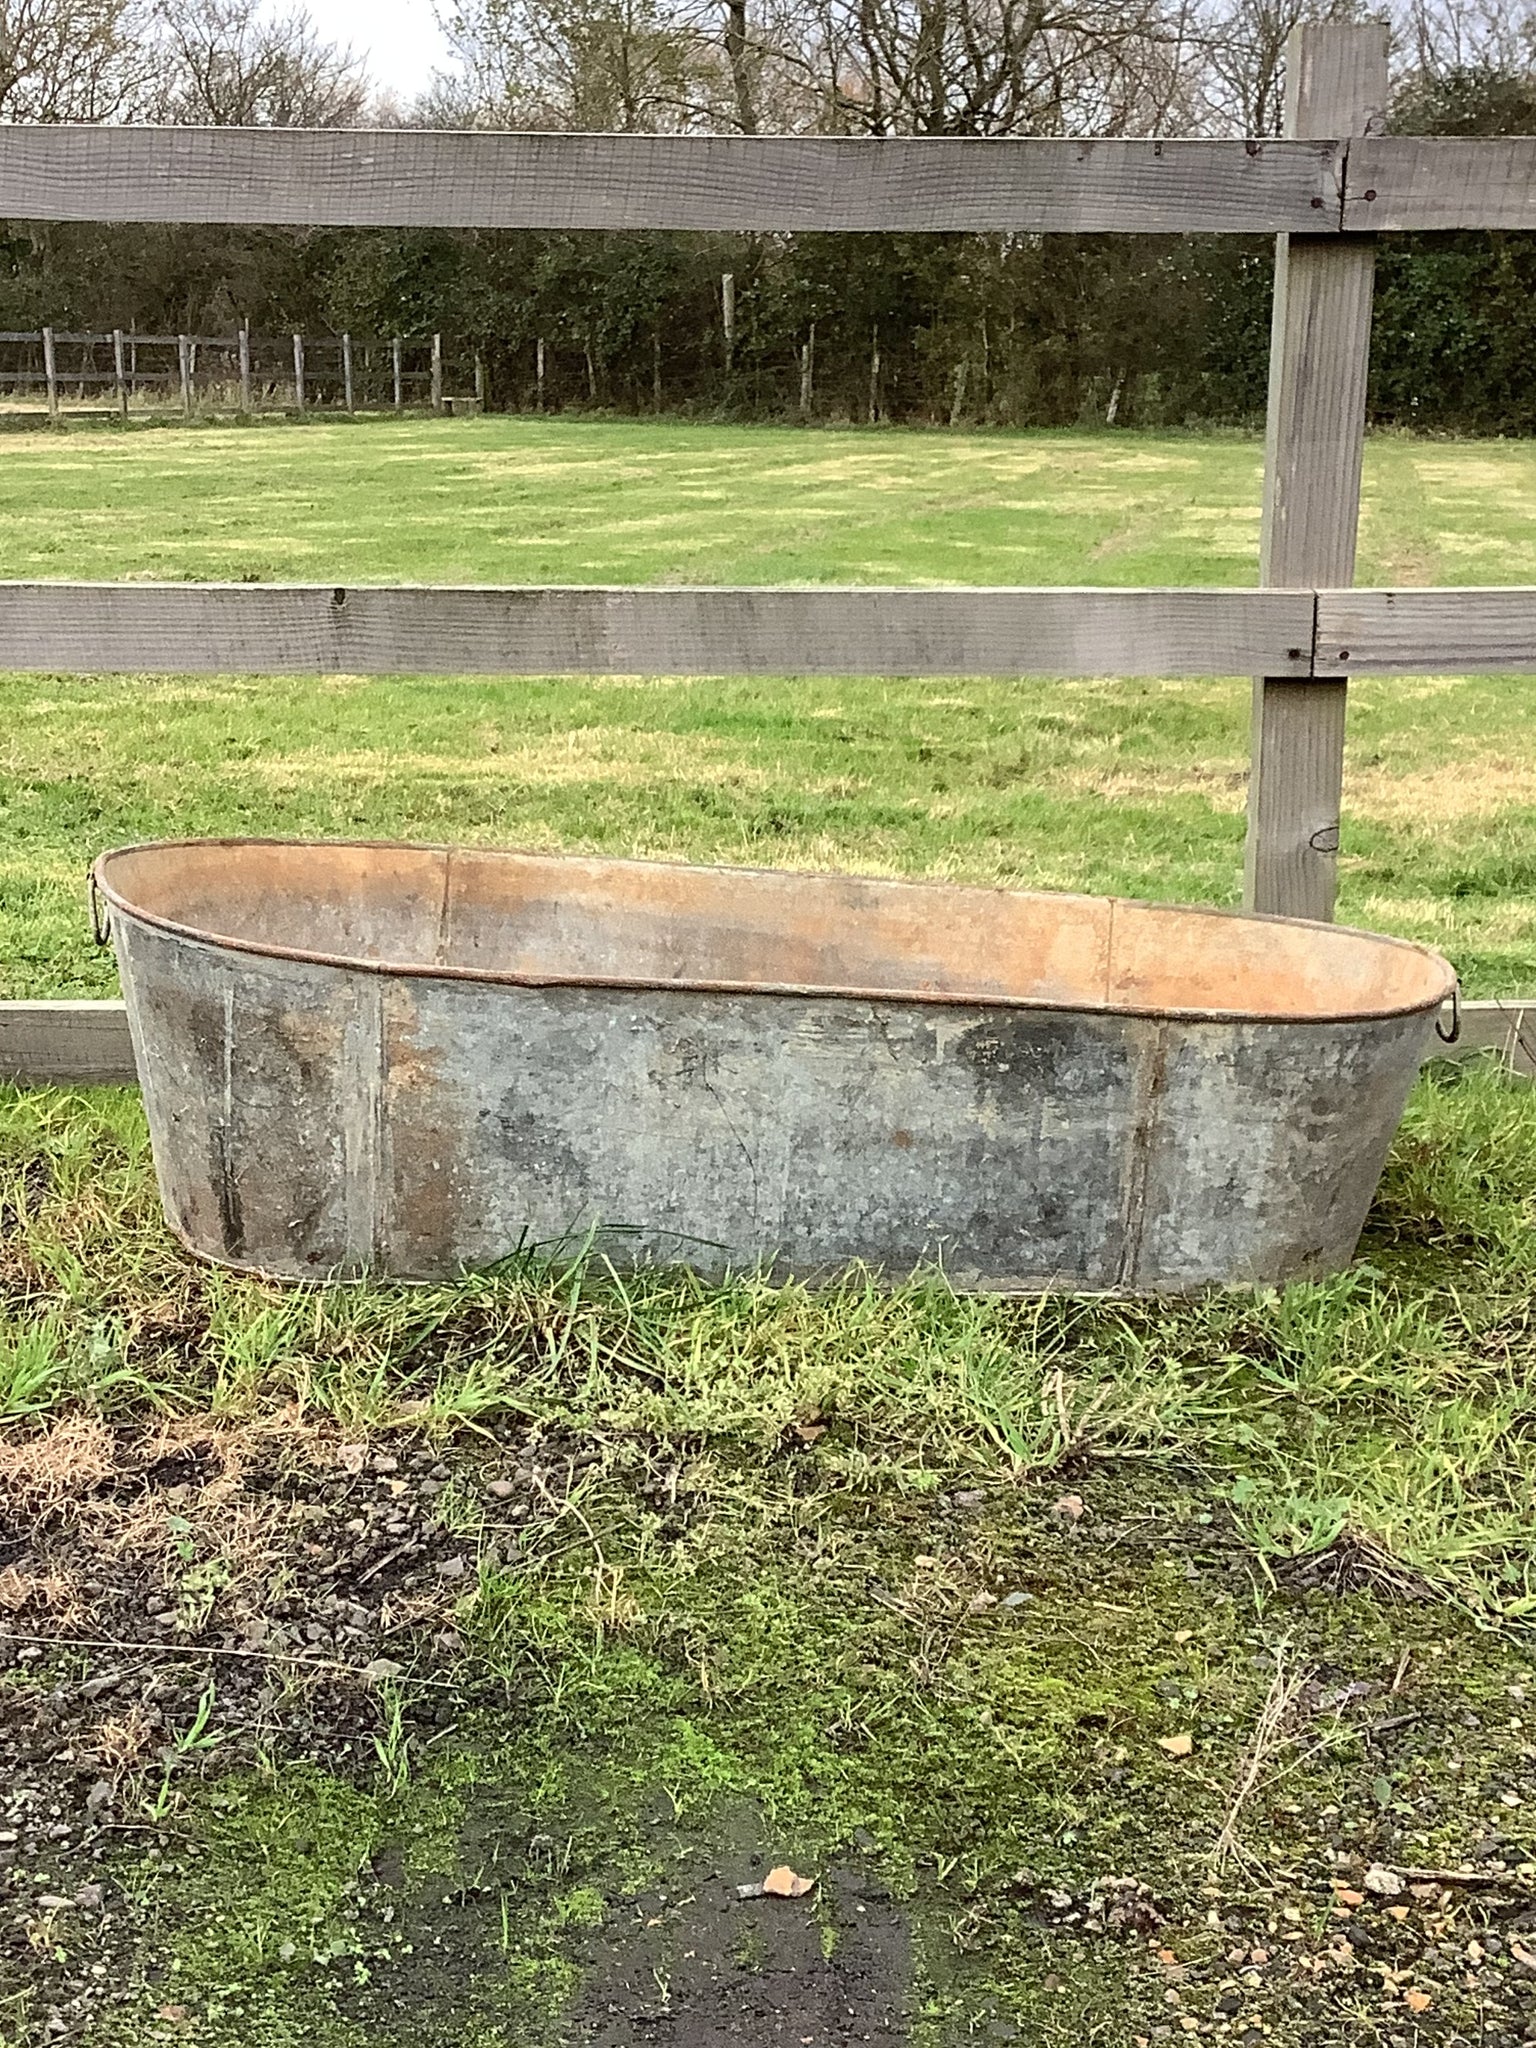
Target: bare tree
{"x":1245,"y":57}
{"x":69,"y":60}
{"x":228,"y":64}
{"x":998,"y":67}
{"x":739,"y":56}
{"x":1437,"y":37}
{"x":624,"y":65}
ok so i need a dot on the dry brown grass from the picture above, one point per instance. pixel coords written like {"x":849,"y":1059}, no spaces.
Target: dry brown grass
{"x":1472,"y":786}
{"x":64,"y":1460}
{"x":55,"y":1594}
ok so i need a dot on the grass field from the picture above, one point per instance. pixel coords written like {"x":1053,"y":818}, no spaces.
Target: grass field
{"x":1135,"y":787}
{"x":429,"y":1668}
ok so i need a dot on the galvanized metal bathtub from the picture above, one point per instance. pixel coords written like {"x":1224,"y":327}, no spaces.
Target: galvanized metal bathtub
{"x":407,"y":1060}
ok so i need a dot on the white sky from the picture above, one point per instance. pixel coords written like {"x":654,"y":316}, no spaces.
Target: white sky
{"x":399,"y":39}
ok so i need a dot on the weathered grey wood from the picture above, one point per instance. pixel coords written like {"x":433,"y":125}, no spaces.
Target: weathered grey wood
{"x":346,"y":372}
{"x":423,"y":178}
{"x":298,"y":372}
{"x":437,"y":373}
{"x":184,"y":371}
{"x":1507,"y":1029}
{"x":87,"y":1043}
{"x":119,"y":372}
{"x":1319,"y":354}
{"x":50,"y":373}
{"x":190,"y":628}
{"x":1305,"y":640}
{"x":394,"y":357}
{"x":1441,"y":181}
{"x":245,"y":367}
{"x":1426,"y":632}
{"x":64,"y":1042}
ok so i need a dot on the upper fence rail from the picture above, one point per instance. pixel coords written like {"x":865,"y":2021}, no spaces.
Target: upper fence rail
{"x":429,"y":178}
{"x":1291,"y":636}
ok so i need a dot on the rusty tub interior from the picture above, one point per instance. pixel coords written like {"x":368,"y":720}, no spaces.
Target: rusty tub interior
{"x":408,"y":1060}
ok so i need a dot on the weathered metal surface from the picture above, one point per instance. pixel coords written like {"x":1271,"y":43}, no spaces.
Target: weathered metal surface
{"x":407,"y":1060}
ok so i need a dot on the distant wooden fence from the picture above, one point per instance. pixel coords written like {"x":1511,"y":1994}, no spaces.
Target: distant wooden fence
{"x":1325,"y":190}
{"x":238,"y":372}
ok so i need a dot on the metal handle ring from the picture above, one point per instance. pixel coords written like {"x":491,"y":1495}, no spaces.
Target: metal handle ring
{"x":101,"y":922}
{"x":1450,"y":1037}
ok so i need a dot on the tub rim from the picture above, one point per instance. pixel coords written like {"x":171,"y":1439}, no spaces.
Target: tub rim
{"x":937,"y":998}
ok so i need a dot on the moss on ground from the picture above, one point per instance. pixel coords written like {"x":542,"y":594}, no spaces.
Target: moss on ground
{"x":996,"y":1772}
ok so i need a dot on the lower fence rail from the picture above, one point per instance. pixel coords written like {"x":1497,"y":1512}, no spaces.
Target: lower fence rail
{"x":86,"y":1044}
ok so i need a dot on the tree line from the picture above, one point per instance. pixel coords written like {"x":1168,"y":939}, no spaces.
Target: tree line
{"x":1019,"y":329}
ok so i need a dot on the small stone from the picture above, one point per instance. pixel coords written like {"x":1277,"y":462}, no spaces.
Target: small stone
{"x":383,"y":1462}
{"x":451,"y":1568}
{"x":971,"y":1497}
{"x":1070,"y":1508}
{"x":1014,"y":1600}
{"x":1386,"y":1884}
{"x":50,"y":1902}
{"x":89,"y":1896}
{"x":501,"y":1489}
{"x":381,"y":1669}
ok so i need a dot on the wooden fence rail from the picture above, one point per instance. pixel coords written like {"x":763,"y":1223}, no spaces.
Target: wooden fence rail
{"x":1290,"y":636}
{"x":596,"y":630}
{"x":426,"y":178}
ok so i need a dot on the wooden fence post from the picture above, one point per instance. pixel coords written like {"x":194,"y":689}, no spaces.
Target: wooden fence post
{"x":245,"y":366}
{"x":346,"y":372}
{"x":119,"y":377}
{"x":538,"y":372}
{"x":480,"y":380}
{"x":437,"y":373}
{"x":394,"y":356}
{"x":51,"y":375}
{"x":728,"y":317}
{"x":298,"y":373}
{"x":807,"y":372}
{"x":184,"y":368}
{"x":1336,"y":84}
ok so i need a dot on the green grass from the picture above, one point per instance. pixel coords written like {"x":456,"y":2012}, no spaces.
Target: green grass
{"x":1103,"y":785}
